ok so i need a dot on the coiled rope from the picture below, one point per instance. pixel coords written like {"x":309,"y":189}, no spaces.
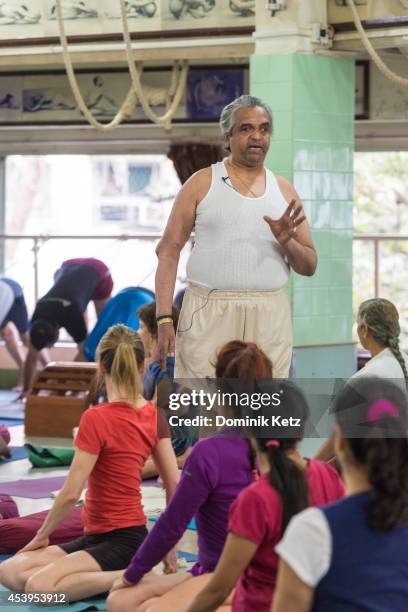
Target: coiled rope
{"x":179,"y":73}
{"x":372,"y":52}
{"x":135,"y":92}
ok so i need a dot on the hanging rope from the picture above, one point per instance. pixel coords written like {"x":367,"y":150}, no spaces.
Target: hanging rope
{"x":372,"y":52}
{"x":180,"y":70}
{"x":128,"y":106}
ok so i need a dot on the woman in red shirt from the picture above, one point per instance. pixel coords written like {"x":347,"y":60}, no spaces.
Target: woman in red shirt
{"x":113,"y":442}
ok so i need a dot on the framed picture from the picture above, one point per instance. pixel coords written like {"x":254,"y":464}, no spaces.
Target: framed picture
{"x":46,"y":98}
{"x":210,"y":89}
{"x":362,"y":90}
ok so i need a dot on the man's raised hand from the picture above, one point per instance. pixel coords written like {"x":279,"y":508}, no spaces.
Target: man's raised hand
{"x":284,"y":228}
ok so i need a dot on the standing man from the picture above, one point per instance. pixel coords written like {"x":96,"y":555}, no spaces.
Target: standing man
{"x":76,"y":283}
{"x":250,"y":230}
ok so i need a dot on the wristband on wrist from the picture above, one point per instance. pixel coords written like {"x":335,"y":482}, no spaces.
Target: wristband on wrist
{"x":165,"y":316}
{"x":163,"y":320}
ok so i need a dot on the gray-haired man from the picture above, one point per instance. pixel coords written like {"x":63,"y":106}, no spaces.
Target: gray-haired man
{"x":249,"y":231}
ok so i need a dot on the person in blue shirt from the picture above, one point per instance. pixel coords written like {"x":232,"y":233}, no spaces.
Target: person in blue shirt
{"x":121,"y":308}
{"x":352,"y":555}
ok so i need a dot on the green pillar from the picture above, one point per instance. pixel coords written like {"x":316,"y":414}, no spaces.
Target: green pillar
{"x":312,"y":99}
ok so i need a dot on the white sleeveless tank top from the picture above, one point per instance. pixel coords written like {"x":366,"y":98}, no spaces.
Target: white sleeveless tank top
{"x":234,"y":248}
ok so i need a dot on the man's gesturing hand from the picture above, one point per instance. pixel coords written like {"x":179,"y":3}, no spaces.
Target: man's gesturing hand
{"x":166,"y":341}
{"x":285,"y":227}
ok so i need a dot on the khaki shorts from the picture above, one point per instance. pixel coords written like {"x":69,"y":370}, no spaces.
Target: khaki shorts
{"x":209,"y":319}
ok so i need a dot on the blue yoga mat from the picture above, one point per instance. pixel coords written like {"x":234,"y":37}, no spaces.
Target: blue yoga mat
{"x":11,"y":422}
{"x":95,"y":603}
{"x":188,"y":556}
{"x":191,"y":525}
{"x":9,"y":408}
{"x":18,"y":452}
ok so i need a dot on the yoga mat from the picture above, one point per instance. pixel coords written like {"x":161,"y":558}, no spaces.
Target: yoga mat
{"x":34,"y":488}
{"x":11,"y":422}
{"x":12,"y":411}
{"x":95,"y":603}
{"x":6,"y":397}
{"x":18,"y":452}
{"x":151,"y":482}
{"x":154,"y":519}
{"x":4,"y":557}
{"x":188,"y":556}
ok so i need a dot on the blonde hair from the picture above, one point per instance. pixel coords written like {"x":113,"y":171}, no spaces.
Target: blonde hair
{"x":382,"y":319}
{"x":121,"y":353}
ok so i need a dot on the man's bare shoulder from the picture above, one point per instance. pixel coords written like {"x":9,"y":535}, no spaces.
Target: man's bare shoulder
{"x":199,"y":183}
{"x":286,"y":187}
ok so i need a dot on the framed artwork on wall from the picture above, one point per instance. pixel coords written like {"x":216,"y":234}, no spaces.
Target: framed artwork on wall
{"x":46,"y":98}
{"x":210,"y":89}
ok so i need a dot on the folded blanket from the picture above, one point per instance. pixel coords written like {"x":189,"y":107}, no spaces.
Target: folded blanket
{"x":41,"y":456}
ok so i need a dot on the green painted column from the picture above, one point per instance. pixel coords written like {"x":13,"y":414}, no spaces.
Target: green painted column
{"x":312,"y":99}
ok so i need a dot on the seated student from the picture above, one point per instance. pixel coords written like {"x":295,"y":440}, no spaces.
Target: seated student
{"x":153,"y":373}
{"x":261,"y":512}
{"x":181,"y":439}
{"x":216,"y":470}
{"x":378,"y":331}
{"x":112,"y":444}
{"x":352,"y":555}
{"x":14,"y":322}
{"x":76,"y":283}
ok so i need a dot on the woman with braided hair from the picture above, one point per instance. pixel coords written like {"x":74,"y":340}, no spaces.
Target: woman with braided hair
{"x":378,"y":330}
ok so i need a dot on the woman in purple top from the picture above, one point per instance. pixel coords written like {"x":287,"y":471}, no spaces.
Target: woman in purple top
{"x":216,"y":470}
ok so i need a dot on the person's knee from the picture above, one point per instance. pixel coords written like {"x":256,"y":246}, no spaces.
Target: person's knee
{"x":115,"y":601}
{"x":11,"y":577}
{"x":40,"y":582}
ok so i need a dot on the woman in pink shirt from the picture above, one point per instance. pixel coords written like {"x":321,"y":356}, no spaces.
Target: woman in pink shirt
{"x":261,"y":512}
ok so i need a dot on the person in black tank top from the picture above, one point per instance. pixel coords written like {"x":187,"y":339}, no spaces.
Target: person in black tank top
{"x":76,"y":283}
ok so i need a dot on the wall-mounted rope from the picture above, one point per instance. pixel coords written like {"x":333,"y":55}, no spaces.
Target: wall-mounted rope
{"x":372,"y":52}
{"x":128,"y":106}
{"x":180,"y":70}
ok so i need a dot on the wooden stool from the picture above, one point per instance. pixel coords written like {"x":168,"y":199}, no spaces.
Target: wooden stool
{"x":58,"y":397}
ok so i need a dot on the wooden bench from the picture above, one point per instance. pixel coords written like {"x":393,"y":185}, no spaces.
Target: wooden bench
{"x":60,"y":394}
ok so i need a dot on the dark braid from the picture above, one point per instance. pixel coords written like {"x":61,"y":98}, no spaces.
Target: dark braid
{"x":288,"y":479}
{"x":285,"y":476}
{"x":393,"y":345}
{"x":382,"y":319}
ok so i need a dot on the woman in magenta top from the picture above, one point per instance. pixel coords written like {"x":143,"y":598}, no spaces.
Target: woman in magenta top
{"x":260,"y":514}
